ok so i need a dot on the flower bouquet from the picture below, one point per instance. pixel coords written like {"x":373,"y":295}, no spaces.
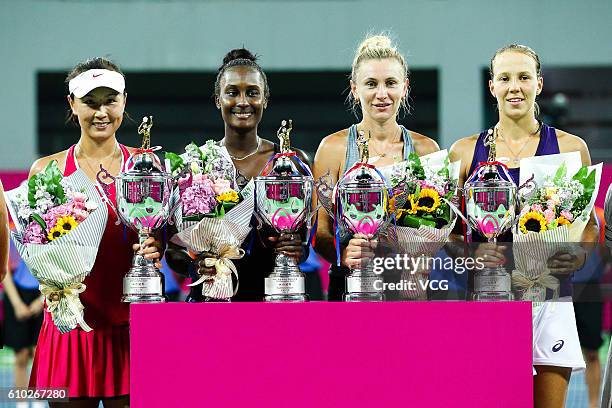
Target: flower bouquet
{"x":211,"y":215}
{"x":556,"y":202}
{"x":429,"y":214}
{"x":59,"y":222}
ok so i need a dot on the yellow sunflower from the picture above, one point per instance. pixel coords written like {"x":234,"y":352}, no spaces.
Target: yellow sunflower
{"x":561,"y":220}
{"x":428,"y":200}
{"x":532,"y":221}
{"x":66,"y":224}
{"x":409,"y":207}
{"x":55,"y":233}
{"x":229,"y":196}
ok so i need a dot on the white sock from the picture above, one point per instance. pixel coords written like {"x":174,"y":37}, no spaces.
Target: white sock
{"x":22,"y":404}
{"x":39,"y":404}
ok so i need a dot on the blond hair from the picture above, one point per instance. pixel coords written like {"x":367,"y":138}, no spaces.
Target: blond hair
{"x":377,"y":46}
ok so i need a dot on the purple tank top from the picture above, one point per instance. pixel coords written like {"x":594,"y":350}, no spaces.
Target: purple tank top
{"x":548,"y":145}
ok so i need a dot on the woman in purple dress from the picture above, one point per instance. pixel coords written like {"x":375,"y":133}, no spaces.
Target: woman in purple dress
{"x":515,"y":83}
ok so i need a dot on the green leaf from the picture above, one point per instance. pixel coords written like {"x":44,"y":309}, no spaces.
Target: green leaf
{"x":202,"y":155}
{"x":589,"y":184}
{"x":176,"y":162}
{"x":50,"y":178}
{"x":32,"y":190}
{"x":40,"y":221}
{"x":580,"y":174}
{"x":560,"y":174}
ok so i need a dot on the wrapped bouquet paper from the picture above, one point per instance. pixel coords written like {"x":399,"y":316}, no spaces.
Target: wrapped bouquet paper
{"x":429,"y":213}
{"x":212,"y":215}
{"x":59,"y":224}
{"x":557,"y":195}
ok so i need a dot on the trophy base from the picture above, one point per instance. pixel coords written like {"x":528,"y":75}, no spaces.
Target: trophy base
{"x":492,"y":296}
{"x":143,"y":299}
{"x":143,"y":284}
{"x":364,"y":297}
{"x":493,"y":284}
{"x":299,"y":297}
{"x":286,"y":283}
{"x":364,"y":287}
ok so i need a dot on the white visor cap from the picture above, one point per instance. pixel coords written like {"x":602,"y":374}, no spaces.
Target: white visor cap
{"x":83,"y":83}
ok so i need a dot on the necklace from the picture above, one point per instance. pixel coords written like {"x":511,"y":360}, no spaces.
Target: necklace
{"x":87,"y":159}
{"x":248,"y":155}
{"x":515,"y":156}
{"x":384,"y":154}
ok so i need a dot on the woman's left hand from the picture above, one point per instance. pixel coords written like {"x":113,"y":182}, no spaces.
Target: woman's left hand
{"x":289,"y":244}
{"x":565,"y":262}
{"x":153,"y":250}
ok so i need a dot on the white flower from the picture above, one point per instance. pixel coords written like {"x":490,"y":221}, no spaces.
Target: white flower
{"x":90,"y":205}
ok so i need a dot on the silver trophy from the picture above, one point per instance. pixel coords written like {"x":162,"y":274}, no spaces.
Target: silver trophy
{"x":283,"y":200}
{"x":490,"y":203}
{"x":362,"y":200}
{"x":143,"y":203}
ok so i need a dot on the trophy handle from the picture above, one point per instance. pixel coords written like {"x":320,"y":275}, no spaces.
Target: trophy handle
{"x":104,"y":190}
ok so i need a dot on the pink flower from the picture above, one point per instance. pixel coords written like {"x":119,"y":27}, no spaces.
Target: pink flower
{"x":199,"y":198}
{"x":221,"y":186}
{"x":537,"y":207}
{"x":79,"y":197}
{"x":80,"y":215}
{"x":198,"y":178}
{"x":567,"y":215}
{"x":34,"y":234}
{"x":549,"y":214}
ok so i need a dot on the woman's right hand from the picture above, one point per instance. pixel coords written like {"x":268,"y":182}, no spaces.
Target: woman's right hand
{"x":491,"y":254}
{"x":22,"y":311}
{"x":359,"y":251}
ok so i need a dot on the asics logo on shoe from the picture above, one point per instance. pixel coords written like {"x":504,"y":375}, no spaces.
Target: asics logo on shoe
{"x":558,"y":345}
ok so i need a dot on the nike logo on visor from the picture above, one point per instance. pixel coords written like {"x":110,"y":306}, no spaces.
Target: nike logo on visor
{"x":96,"y":75}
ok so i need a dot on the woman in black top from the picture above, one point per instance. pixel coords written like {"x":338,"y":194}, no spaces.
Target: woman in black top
{"x":241,"y":94}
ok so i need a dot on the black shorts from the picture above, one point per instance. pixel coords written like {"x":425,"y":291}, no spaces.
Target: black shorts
{"x":21,"y":334}
{"x":588,"y":309}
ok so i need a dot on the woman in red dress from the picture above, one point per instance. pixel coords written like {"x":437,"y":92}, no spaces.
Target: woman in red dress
{"x":94,"y":365}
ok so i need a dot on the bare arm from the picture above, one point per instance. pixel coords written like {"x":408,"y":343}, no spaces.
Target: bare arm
{"x":327,"y":161}
{"x":424,"y":145}
{"x":572,"y":143}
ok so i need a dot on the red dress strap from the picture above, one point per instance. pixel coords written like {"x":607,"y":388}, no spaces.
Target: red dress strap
{"x":70,"y":166}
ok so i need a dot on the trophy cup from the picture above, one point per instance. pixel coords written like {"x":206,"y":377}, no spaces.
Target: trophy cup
{"x":143,"y":204}
{"x":490,"y":202}
{"x":283,"y":200}
{"x":362,"y":207}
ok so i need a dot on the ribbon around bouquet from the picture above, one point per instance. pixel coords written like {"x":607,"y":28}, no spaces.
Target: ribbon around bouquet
{"x":54,"y":295}
{"x":223,"y":265}
{"x":523,"y":282}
